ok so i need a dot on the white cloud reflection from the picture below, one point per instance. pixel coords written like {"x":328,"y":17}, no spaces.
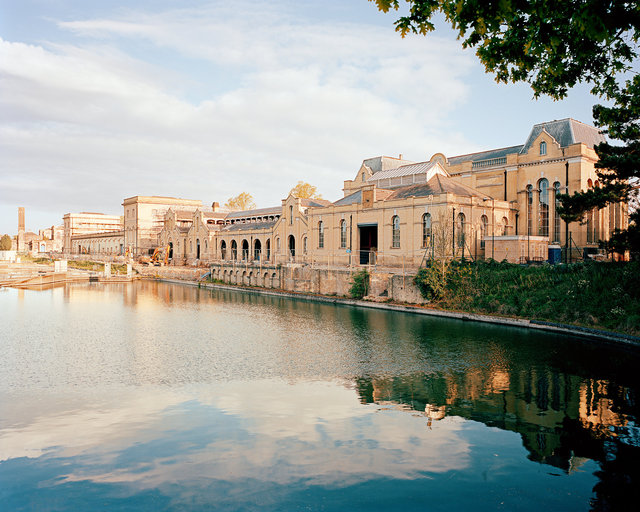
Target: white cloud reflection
{"x":266,"y":430}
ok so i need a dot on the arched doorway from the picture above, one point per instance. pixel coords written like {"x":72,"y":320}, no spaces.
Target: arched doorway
{"x":257,"y":249}
{"x":170,"y":250}
{"x":245,"y":250}
{"x":223,"y":249}
{"x":292,"y":246}
{"x":197,"y":248}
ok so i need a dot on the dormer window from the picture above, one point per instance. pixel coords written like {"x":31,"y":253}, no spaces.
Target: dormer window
{"x":543,"y":148}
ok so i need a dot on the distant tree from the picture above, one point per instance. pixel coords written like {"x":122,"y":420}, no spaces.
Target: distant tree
{"x":5,"y":243}
{"x":304,"y":190}
{"x":553,"y":45}
{"x":243,"y":201}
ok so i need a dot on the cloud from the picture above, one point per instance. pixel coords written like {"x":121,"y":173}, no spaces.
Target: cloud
{"x":207,"y":103}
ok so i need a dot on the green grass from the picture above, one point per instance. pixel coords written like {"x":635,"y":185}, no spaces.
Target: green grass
{"x":598,"y":295}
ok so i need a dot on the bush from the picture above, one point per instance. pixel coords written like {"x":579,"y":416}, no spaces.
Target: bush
{"x":359,"y":284}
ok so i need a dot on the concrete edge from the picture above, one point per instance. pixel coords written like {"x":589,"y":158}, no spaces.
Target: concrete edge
{"x":573,"y":330}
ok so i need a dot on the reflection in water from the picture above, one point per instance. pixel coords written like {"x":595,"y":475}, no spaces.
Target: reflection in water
{"x":155,"y":396}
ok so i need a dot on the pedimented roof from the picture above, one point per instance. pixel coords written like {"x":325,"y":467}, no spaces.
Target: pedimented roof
{"x":248,"y":226}
{"x":258,"y":212}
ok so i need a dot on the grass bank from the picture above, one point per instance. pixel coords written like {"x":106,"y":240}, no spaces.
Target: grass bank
{"x":597,"y":295}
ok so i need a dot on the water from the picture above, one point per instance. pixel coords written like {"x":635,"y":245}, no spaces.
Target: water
{"x":152,"y":396}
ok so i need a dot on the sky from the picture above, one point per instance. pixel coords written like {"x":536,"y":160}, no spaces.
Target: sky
{"x":100,"y":101}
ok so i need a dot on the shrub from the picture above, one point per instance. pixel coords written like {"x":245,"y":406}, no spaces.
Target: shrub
{"x":5,"y":243}
{"x":359,"y":284}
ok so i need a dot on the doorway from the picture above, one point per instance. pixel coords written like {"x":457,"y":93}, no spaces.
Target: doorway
{"x":368,"y":234}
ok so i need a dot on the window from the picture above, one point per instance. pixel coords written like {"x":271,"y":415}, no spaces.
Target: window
{"x":291,"y":215}
{"x":484,"y":224}
{"x":426,"y":229}
{"x":505,"y":225}
{"x":320,"y":235}
{"x":543,"y":148}
{"x":556,"y":214}
{"x":304,"y":245}
{"x":395,"y":231}
{"x":268,"y":244}
{"x":543,"y":207}
{"x":278,"y":245}
{"x":234,"y":250}
{"x":245,"y":250}
{"x":343,"y":234}
{"x":363,"y":176}
{"x":529,"y":208}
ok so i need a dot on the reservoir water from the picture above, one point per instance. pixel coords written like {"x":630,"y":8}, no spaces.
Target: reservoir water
{"x":153,"y":396}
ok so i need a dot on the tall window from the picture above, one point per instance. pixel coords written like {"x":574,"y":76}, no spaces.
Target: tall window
{"x":556,"y":214}
{"x":505,"y":225}
{"x":343,"y":234}
{"x":223,"y":249}
{"x":304,"y":245}
{"x":543,"y":148}
{"x":395,"y":231}
{"x":320,"y":235}
{"x":529,"y":208}
{"x":290,"y":214}
{"x":484,"y":224}
{"x":426,"y":229}
{"x":234,"y":250}
{"x":268,"y":248}
{"x":543,"y":207}
{"x":461,"y":227}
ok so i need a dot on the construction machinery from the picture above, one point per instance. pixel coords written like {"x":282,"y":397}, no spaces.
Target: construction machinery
{"x":160,"y":256}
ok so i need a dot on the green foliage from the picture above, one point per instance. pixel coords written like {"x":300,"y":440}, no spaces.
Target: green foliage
{"x":603,"y":295}
{"x":359,"y":284}
{"x":5,"y":243}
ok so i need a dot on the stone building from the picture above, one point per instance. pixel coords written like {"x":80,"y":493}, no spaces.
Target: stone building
{"x":110,"y":243}
{"x":144,"y":219}
{"x":86,"y":223}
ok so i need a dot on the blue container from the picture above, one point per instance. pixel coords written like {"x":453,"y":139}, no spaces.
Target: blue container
{"x":555,"y":254}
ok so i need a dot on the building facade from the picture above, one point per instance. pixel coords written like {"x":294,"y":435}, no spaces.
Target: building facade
{"x":85,"y":223}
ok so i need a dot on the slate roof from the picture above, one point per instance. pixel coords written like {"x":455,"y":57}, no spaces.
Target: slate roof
{"x":438,"y":184}
{"x":403,"y":170}
{"x":258,"y":212}
{"x":354,"y":198}
{"x":314,"y":202}
{"x":383,"y":163}
{"x":485,"y":155}
{"x":248,"y":226}
{"x":566,"y":132}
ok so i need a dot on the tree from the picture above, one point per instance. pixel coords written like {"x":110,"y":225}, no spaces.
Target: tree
{"x":5,"y":243}
{"x":553,"y":45}
{"x":304,"y":190}
{"x":243,"y":201}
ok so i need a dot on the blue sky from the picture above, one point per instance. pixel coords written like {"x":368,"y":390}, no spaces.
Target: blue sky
{"x":203,"y":99}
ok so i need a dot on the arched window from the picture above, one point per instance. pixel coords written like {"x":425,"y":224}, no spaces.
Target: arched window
{"x":529,"y":208}
{"x":291,"y":215}
{"x":364,"y":177}
{"x":278,"y":245}
{"x":304,"y":245}
{"x":395,"y":231}
{"x":245,"y":250}
{"x":320,"y":235}
{"x":543,"y":207}
{"x":268,"y":244}
{"x":543,"y":148}
{"x":556,"y":214}
{"x":505,"y":226}
{"x":461,"y":230}
{"x":234,"y":250}
{"x":484,"y":225}
{"x":257,"y":249}
{"x":343,"y":234}
{"x":426,"y":229}
{"x":223,"y":249}
{"x":292,"y":246}
{"x":198,"y":249}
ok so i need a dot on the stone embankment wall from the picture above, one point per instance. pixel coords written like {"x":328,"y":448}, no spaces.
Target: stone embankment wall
{"x":301,"y":279}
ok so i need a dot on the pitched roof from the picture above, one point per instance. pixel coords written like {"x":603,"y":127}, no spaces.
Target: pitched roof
{"x":383,"y":163}
{"x":485,"y":155}
{"x":248,"y":226}
{"x":258,"y":212}
{"x":566,"y":132}
{"x":438,"y":184}
{"x":354,"y":198}
{"x":314,"y":202}
{"x":403,"y":170}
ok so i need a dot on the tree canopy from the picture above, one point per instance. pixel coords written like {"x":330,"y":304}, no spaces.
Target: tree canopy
{"x":5,"y":243}
{"x":552,"y":45}
{"x":243,"y":201}
{"x":304,"y":190}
